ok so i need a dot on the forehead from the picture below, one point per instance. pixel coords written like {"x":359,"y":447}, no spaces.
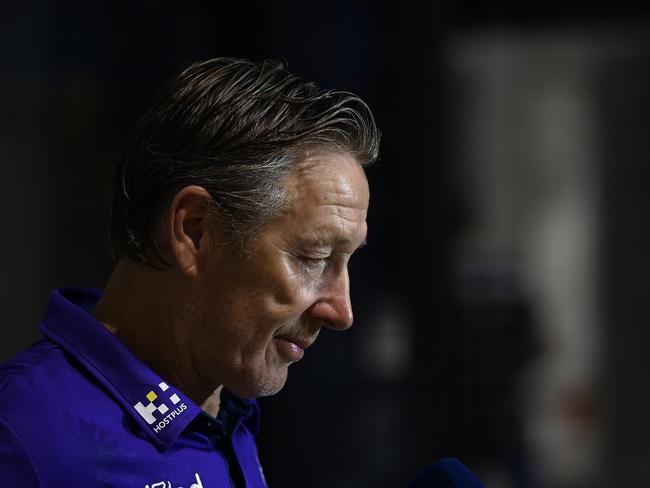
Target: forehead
{"x":329,"y":178}
{"x":329,"y":198}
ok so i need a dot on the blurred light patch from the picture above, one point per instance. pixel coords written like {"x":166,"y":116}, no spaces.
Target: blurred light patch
{"x":527,"y":172}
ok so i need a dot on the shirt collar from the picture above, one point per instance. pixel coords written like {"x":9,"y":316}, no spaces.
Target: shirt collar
{"x":235,"y":410}
{"x":161,"y":411}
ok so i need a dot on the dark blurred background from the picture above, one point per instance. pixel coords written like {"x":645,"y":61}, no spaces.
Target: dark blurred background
{"x":501,"y":306}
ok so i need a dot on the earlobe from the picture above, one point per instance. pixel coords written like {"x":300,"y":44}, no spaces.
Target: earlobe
{"x":188,"y":215}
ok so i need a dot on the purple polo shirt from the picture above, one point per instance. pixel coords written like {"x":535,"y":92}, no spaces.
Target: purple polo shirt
{"x":78,"y":409}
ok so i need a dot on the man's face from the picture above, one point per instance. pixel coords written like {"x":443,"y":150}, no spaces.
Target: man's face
{"x":254,"y":315}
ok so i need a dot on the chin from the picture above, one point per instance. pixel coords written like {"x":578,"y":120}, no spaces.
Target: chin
{"x":262,"y":385}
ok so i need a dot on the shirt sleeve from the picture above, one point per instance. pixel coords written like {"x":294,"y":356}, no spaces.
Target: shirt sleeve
{"x":16,"y":467}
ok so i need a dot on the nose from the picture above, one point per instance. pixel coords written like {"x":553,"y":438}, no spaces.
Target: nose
{"x":333,"y":308}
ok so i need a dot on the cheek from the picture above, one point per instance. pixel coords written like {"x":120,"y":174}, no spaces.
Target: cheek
{"x":283,"y":305}
{"x":277,"y":304}
{"x":288,"y":286}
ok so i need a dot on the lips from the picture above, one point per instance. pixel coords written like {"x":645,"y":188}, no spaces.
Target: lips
{"x":301,"y":342}
{"x":291,"y":347}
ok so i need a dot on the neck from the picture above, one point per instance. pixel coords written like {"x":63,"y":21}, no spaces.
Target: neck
{"x":143,"y":307}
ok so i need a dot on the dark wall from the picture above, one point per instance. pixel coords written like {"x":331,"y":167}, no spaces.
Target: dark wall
{"x":76,"y":77}
{"x":625,"y":146}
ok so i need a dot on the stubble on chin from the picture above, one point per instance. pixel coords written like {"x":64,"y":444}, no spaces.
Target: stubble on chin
{"x":268,"y":387}
{"x":268,"y":378}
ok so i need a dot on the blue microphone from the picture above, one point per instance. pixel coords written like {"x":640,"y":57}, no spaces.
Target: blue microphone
{"x":446,"y":473}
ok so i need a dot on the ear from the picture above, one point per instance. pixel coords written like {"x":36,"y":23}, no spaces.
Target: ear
{"x":188,"y":225}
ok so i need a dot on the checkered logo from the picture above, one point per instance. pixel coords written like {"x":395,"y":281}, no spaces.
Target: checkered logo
{"x":155,"y":406}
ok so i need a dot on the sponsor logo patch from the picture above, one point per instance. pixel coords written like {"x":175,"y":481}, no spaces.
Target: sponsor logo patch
{"x":157,"y":411}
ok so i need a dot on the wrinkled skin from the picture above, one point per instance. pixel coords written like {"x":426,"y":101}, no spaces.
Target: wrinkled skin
{"x":250,"y":316}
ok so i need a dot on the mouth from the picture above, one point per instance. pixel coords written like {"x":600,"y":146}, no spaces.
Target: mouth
{"x":292,"y":347}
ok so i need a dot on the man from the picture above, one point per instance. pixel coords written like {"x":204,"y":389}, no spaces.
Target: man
{"x":238,"y":202}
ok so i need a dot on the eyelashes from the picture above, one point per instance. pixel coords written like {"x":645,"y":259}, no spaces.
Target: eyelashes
{"x":320,"y":264}
{"x":313,"y":265}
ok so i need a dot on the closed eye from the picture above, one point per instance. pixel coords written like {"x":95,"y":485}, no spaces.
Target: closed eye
{"x":313,"y":264}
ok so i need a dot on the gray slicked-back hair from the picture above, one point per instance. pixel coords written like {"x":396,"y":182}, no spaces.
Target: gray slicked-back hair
{"x":235,"y":128}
